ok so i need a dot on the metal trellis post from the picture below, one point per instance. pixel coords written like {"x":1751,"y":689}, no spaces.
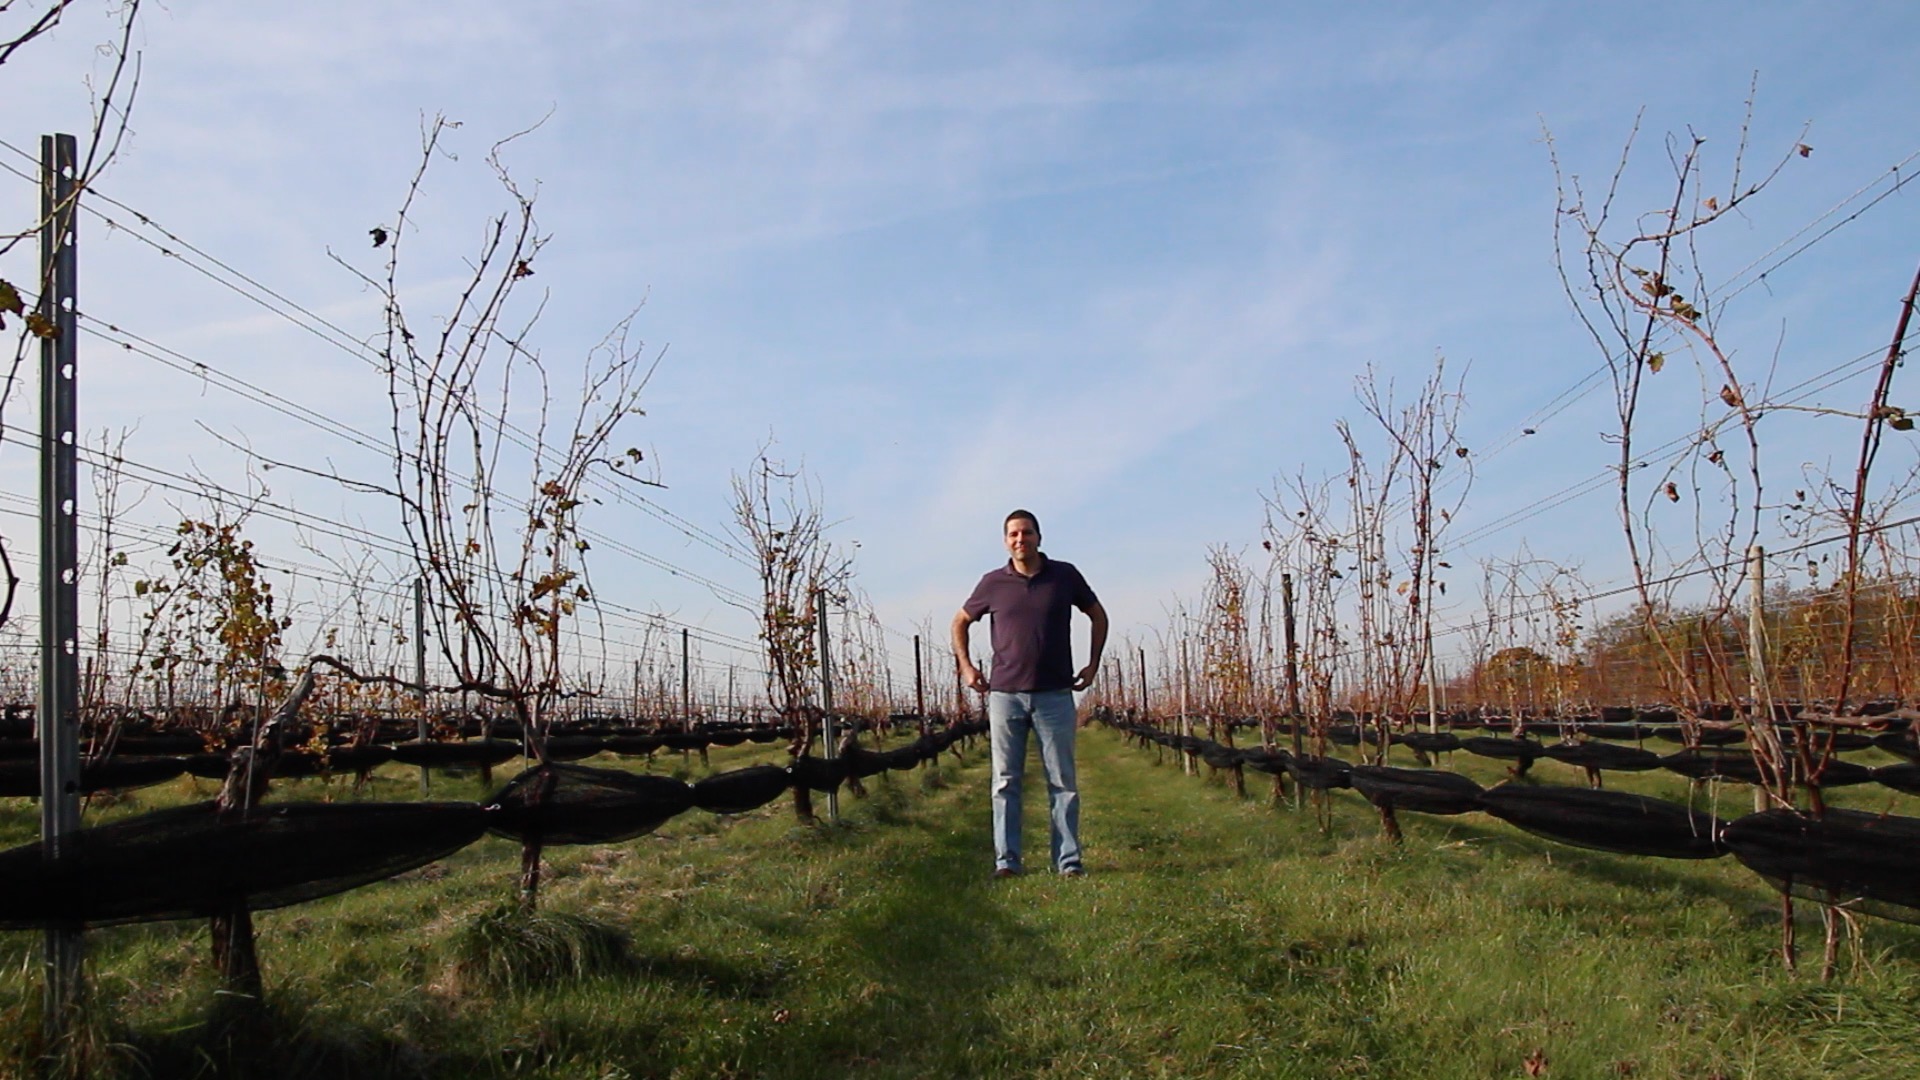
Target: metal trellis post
{"x":57,"y":718}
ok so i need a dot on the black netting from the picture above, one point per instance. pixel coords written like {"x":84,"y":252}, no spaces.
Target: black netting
{"x":1320,"y":773}
{"x":1902,"y":777}
{"x":741,"y":790}
{"x":1736,"y":765}
{"x":207,"y":766}
{"x":187,"y":863}
{"x":158,"y":745}
{"x":1901,"y":743}
{"x":635,"y":745}
{"x":476,"y":752}
{"x":1739,"y":766}
{"x":906,"y":757}
{"x":1836,"y":773}
{"x":299,"y":763}
{"x":1600,"y":755}
{"x":121,"y":773}
{"x":861,"y":762}
{"x":1820,"y":740}
{"x":356,"y":758}
{"x":1606,"y":820}
{"x":1869,"y":860}
{"x":1615,"y":732}
{"x":21,"y":779}
{"x":1267,"y":761}
{"x":1429,"y":791}
{"x":1218,"y":756}
{"x":576,"y":804}
{"x":1506,"y":749}
{"x":1704,"y":735}
{"x":574,"y":747}
{"x":819,"y":774}
{"x":1429,"y":742}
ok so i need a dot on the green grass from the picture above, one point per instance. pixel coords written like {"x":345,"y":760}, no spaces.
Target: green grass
{"x":1214,"y":937}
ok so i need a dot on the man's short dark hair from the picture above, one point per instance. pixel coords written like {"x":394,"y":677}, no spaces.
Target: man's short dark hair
{"x":1028,"y":514}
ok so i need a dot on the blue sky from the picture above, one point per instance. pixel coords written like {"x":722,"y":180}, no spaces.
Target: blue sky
{"x":1119,"y":263}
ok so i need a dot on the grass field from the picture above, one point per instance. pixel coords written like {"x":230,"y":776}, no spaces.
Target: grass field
{"x":1214,"y":937}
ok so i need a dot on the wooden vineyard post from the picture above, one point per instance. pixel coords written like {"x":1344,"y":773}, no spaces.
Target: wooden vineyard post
{"x":1186,"y":719}
{"x":1144,"y":710}
{"x":686,"y":694}
{"x":829,"y":730}
{"x":420,"y":667}
{"x":920,"y":698}
{"x":1761,"y":719}
{"x":959,"y":695}
{"x":1293,"y":658}
{"x":1288,"y":625}
{"x":1145,"y":707}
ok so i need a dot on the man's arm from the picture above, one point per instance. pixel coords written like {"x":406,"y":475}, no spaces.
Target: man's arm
{"x":1099,"y":646}
{"x":963,"y":651}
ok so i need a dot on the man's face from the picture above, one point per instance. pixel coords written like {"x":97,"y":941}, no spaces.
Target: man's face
{"x":1022,"y":539}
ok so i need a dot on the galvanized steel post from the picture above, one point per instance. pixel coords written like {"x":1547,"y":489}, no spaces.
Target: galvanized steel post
{"x":57,"y":718}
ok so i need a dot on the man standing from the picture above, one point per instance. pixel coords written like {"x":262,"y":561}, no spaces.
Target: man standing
{"x":1031,"y":600}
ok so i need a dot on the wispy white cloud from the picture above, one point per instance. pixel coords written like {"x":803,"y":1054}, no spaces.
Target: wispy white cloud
{"x":1129,"y":254}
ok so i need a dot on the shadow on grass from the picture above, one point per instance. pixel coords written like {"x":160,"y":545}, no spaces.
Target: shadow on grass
{"x":279,"y":1041}
{"x":932,"y":950}
{"x":1645,"y":874}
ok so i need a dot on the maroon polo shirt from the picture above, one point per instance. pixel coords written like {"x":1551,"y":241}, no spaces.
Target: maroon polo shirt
{"x":1032,"y":624}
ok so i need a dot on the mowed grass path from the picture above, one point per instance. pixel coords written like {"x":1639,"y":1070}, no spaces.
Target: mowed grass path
{"x":1215,"y":937}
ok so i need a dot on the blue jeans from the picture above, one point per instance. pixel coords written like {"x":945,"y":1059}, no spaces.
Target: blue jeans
{"x":1050,"y":715}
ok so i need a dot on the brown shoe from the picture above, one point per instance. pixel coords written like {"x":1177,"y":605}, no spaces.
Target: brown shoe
{"x":1005,"y":871}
